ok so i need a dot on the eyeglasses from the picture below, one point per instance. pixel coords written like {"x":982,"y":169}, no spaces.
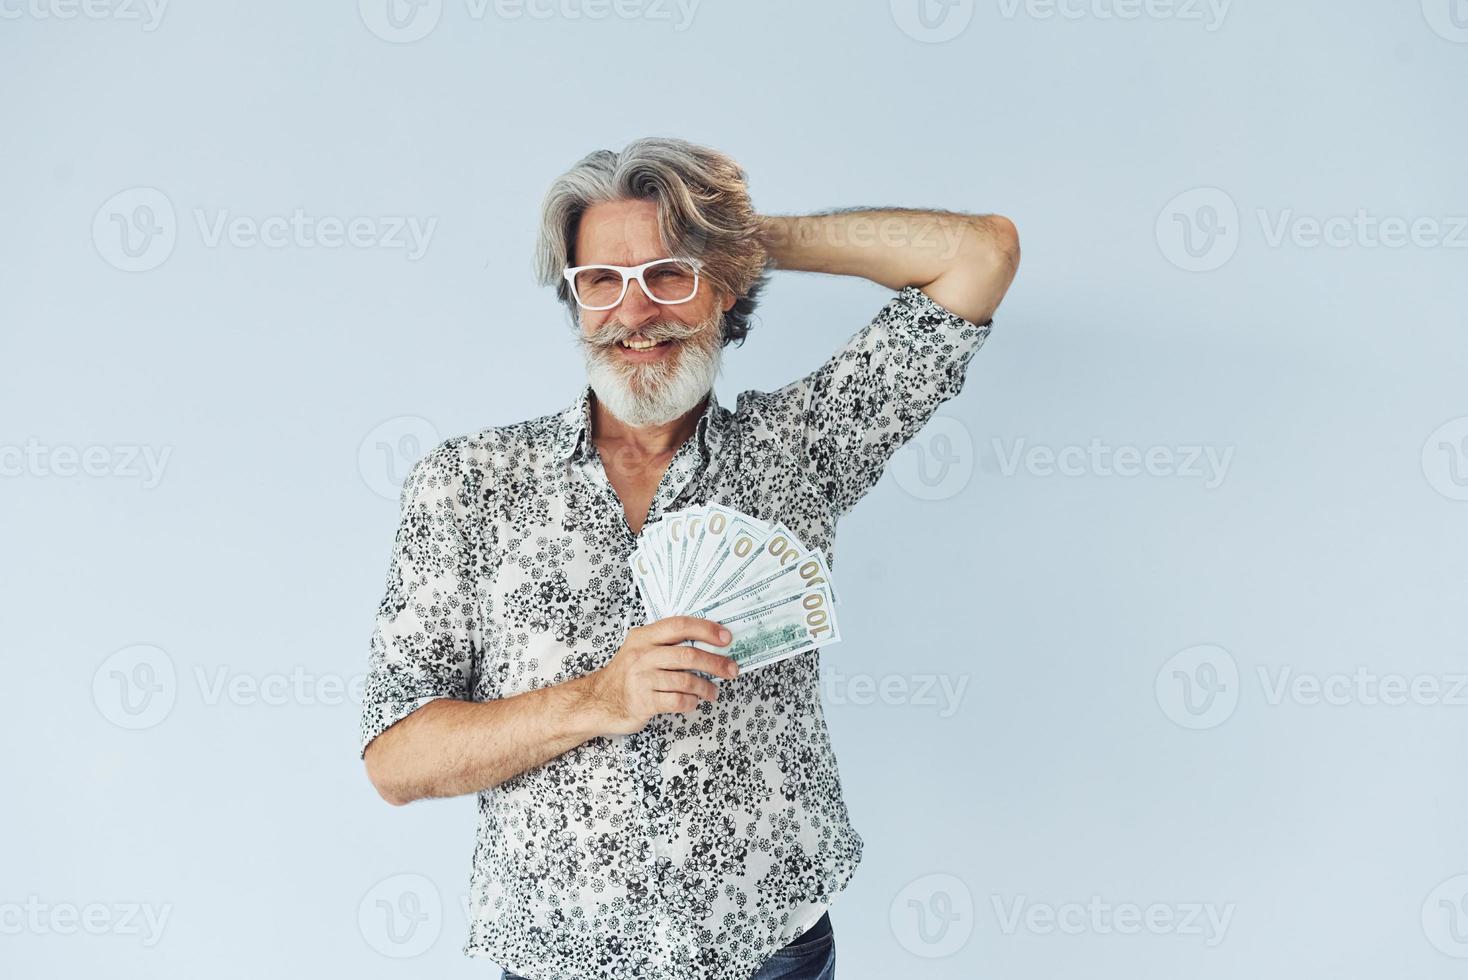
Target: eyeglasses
{"x":601,"y":287}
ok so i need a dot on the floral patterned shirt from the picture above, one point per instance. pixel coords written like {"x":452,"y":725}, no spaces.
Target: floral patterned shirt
{"x":700,"y":845}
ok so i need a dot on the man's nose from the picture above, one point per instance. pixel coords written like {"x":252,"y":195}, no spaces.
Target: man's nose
{"x":636,"y":309}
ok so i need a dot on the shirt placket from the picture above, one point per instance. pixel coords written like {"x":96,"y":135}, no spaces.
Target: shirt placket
{"x":642,"y":751}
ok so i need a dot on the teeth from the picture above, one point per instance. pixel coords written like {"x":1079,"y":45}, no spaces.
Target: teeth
{"x":639,"y":344}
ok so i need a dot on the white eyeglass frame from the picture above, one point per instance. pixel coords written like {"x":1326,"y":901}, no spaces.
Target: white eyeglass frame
{"x":630,"y":273}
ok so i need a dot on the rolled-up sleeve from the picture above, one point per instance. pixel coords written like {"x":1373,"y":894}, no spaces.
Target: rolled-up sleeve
{"x":425,"y":642}
{"x":850,"y":415}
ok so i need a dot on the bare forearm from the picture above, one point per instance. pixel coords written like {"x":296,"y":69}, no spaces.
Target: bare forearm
{"x":964,"y":262}
{"x":451,"y":748}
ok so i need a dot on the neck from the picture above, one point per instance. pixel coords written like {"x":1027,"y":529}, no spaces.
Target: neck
{"x":646,"y":440}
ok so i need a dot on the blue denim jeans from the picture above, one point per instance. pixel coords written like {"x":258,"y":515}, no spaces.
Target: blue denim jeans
{"x":806,"y":958}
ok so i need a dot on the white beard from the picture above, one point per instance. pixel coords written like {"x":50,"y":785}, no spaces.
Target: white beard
{"x":651,"y":394}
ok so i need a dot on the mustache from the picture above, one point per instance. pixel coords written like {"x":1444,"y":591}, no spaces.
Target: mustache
{"x":613,"y":333}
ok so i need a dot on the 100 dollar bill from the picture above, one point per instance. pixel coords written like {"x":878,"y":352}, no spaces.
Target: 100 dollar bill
{"x":793,"y":623}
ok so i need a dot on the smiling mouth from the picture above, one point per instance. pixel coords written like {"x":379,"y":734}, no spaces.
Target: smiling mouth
{"x":642,"y":344}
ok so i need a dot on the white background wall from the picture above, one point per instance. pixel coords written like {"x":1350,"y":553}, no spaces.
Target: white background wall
{"x":1164,"y":169}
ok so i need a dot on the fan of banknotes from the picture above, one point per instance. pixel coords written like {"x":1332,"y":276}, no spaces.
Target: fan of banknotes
{"x":756,"y":578}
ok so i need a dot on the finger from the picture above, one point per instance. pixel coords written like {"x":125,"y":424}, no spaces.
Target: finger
{"x":675,"y":702}
{"x":681,"y":629}
{"x":692,"y":658}
{"x":682,"y":682}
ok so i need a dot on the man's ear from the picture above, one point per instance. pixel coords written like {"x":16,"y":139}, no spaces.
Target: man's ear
{"x":726,"y":300}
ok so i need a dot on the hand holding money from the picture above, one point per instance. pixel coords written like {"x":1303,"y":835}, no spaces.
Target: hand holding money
{"x":757,"y":579}
{"x":651,"y":673}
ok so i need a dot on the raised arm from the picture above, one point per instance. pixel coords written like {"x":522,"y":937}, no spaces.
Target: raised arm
{"x":963,"y":262}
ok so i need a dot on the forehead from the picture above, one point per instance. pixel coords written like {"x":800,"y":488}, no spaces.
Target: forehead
{"x":619,"y":233}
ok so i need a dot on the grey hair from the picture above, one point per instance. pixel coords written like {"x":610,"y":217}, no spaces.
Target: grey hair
{"x":704,"y":212}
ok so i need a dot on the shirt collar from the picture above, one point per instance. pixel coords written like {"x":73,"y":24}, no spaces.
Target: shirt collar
{"x":573,"y":431}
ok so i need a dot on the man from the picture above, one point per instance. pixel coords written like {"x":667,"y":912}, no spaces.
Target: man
{"x":635,"y":818}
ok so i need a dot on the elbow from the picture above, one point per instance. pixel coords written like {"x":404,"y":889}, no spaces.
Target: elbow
{"x":987,"y":254}
{"x":1002,"y":240}
{"x":393,"y":798}
{"x":391,"y":790}
{"x":997,"y":263}
{"x":978,"y":277}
